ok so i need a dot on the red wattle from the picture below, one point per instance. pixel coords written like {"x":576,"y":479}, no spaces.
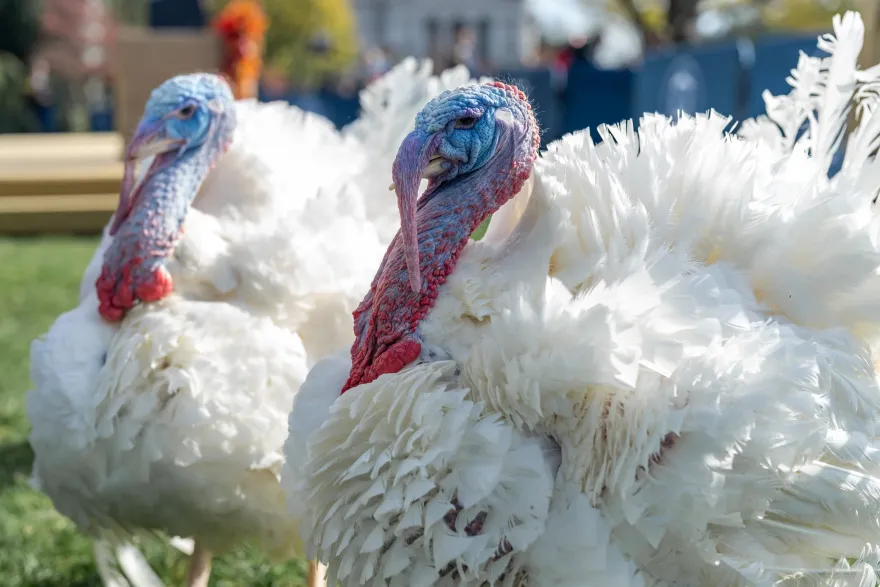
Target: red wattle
{"x":159,"y":286}
{"x":118,"y":293}
{"x":396,"y":357}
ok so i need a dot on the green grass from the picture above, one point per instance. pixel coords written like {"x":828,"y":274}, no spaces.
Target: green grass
{"x":39,"y":279}
{"x":481,"y":229}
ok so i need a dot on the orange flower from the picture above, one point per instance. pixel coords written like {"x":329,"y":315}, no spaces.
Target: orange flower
{"x":242,"y":24}
{"x":241,"y":17}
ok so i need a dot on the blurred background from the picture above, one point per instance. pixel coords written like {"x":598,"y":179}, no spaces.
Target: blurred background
{"x":85,"y":67}
{"x":74,"y":76}
{"x":62,"y":62}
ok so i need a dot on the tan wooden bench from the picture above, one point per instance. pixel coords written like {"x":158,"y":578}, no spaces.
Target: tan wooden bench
{"x":69,"y":183}
{"x":51,"y":183}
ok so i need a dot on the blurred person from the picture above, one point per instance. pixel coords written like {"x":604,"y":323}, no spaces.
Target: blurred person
{"x":40,"y":96}
{"x":558,"y":60}
{"x":583,"y":47}
{"x":275,"y":83}
{"x":76,"y":44}
{"x":579,"y":49}
{"x":347,"y":83}
{"x":376,"y":62}
{"x":441,"y":60}
{"x":464,"y":51}
{"x":681,"y":18}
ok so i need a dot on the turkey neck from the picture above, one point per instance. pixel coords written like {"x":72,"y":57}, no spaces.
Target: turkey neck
{"x":387,"y":320}
{"x":156,"y":225}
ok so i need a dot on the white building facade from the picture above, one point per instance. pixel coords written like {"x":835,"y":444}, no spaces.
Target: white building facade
{"x":428,"y":28}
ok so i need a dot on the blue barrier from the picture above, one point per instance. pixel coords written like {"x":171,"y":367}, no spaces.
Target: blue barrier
{"x":596,"y":96}
{"x":309,"y":101}
{"x":48,"y":118}
{"x":775,"y":57}
{"x":546,"y":103}
{"x":339,"y":109}
{"x":102,"y":121}
{"x":342,"y":109}
{"x":691,"y":80}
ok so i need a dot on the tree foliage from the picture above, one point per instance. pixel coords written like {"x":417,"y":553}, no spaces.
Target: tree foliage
{"x":129,"y":12}
{"x":308,"y":39}
{"x":665,"y":20}
{"x":19,"y":27}
{"x":15,"y":113}
{"x":803,"y":15}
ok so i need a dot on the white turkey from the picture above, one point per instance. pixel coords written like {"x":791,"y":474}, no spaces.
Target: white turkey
{"x":660,"y":375}
{"x":233,"y":262}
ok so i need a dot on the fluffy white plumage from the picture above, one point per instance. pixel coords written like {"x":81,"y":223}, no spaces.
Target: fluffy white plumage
{"x":680,"y":417}
{"x":402,"y":460}
{"x":174,"y":419}
{"x":695,"y":378}
{"x":446,"y":455}
{"x":162,"y":435}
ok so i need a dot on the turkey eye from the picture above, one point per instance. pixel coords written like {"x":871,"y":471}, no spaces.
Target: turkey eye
{"x":466,"y":122}
{"x":187,"y":111}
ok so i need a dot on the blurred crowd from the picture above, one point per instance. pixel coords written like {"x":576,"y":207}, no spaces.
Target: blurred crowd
{"x":65,"y":66}
{"x":56,"y":55}
{"x":375,"y":61}
{"x":557,"y":56}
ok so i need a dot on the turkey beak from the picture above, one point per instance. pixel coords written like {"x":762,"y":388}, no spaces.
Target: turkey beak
{"x":415,"y":159}
{"x":436,"y":166}
{"x":149,"y":140}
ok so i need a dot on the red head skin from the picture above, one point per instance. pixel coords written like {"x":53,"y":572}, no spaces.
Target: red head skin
{"x":436,"y":229}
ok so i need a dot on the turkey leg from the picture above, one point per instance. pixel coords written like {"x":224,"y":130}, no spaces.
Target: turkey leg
{"x":199,"y":567}
{"x":316,"y":575}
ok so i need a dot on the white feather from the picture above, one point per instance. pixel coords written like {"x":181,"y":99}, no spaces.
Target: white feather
{"x":174,"y":420}
{"x":700,"y":357}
